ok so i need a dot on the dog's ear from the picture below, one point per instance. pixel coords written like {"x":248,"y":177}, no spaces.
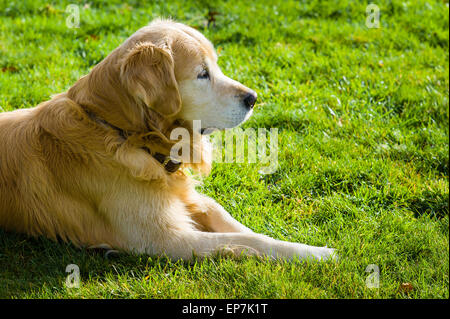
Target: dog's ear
{"x":147,"y":72}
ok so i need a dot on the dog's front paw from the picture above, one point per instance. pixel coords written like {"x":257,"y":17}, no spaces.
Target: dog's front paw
{"x":313,"y":253}
{"x":325,"y":253}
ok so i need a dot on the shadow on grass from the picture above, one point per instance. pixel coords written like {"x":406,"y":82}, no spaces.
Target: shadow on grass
{"x":36,"y":267}
{"x":28,"y":265}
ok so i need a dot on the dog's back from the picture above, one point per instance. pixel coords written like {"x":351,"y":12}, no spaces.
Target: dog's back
{"x":41,"y":188}
{"x":16,"y":159}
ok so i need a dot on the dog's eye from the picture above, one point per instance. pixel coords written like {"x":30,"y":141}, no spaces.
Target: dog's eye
{"x":203,"y":75}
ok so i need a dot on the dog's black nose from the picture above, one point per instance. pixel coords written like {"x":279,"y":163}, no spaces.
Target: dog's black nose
{"x":250,"y":99}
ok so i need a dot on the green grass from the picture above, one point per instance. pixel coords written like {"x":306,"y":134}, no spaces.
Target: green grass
{"x":363,"y":119}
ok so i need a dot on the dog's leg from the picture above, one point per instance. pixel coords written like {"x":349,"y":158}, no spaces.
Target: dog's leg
{"x":215,"y":218}
{"x":205,"y":244}
{"x":167,"y":229}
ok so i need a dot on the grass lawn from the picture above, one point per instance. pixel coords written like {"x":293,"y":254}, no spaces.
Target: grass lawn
{"x":362,"y":116}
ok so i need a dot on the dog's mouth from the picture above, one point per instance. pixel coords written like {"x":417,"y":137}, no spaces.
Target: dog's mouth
{"x":208,"y":130}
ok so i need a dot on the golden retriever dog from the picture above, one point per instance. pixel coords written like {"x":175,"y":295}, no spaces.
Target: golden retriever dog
{"x":93,"y":166}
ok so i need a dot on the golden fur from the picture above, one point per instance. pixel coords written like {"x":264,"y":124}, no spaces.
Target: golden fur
{"x":64,"y":174}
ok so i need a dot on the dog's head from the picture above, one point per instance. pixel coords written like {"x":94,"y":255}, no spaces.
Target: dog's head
{"x":172,"y":69}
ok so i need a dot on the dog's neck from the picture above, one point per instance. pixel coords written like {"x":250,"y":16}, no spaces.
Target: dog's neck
{"x":169,"y":164}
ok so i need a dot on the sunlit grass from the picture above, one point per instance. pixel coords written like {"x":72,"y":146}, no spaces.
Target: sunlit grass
{"x":362,"y":116}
